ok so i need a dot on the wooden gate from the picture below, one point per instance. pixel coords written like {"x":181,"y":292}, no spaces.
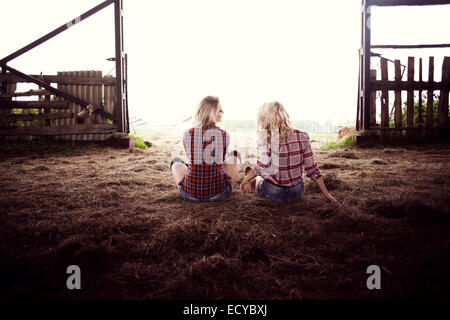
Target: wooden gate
{"x":83,"y":106}
{"x":50,"y":115}
{"x":420,"y":116}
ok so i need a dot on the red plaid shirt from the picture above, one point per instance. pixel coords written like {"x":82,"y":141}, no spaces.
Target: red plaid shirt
{"x":284,"y":166}
{"x":206,"y":149}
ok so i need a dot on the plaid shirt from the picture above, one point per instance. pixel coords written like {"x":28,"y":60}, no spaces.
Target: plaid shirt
{"x":205,"y":177}
{"x":284,"y":166}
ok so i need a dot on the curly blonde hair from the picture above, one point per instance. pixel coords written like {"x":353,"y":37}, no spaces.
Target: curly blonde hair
{"x":273,"y":116}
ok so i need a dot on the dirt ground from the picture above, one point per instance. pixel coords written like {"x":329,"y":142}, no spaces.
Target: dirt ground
{"x":117,"y":214}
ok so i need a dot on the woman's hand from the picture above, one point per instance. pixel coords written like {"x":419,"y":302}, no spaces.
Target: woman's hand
{"x":325,"y":192}
{"x":245,"y":187}
{"x":245,"y":184}
{"x":331,"y":199}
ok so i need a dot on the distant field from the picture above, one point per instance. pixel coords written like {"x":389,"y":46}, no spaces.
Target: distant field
{"x":153,"y":134}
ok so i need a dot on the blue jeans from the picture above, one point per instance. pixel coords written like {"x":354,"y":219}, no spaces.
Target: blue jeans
{"x":280,"y":193}
{"x":225,"y":193}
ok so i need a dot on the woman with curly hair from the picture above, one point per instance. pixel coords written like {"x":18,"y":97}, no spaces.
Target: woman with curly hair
{"x":283,"y":153}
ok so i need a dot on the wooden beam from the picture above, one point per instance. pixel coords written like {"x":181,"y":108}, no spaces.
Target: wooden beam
{"x":118,"y":25}
{"x":405,"y":128}
{"x":414,"y":85}
{"x":41,"y":116}
{"x":8,"y":104}
{"x":28,"y":93}
{"x":107,"y":81}
{"x":359,"y":98}
{"x":409,"y":46}
{"x":373,"y":101}
{"x":406,"y":2}
{"x":366,"y":41}
{"x":59,"y":130}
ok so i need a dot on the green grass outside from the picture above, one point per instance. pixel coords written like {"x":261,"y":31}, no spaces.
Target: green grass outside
{"x":140,"y":143}
{"x":347,"y":142}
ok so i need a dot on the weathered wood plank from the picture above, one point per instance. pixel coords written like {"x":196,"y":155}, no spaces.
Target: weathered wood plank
{"x":47,"y":97}
{"x":3,"y":91}
{"x":373,"y":101}
{"x":430,"y":97}
{"x":443,"y":98}
{"x":415,"y":85}
{"x":406,"y":2}
{"x":408,"y":129}
{"x":384,"y":95}
{"x":41,"y":116}
{"x":9,"y":104}
{"x":59,"y":130}
{"x":402,"y":128}
{"x":419,"y":111}
{"x":28,"y":93}
{"x":110,"y":100}
{"x":398,"y":96}
{"x":410,"y":46}
{"x":97,"y":97}
{"x":107,"y":81}
{"x":410,"y":95}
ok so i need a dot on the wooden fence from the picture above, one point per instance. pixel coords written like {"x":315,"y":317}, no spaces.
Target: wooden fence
{"x":54,"y":116}
{"x":419,"y":122}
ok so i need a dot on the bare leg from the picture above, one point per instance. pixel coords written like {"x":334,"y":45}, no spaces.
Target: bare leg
{"x":231,"y":167}
{"x":179,"y":170}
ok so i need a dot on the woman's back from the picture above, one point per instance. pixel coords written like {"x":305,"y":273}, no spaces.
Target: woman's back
{"x":206,"y":149}
{"x":283,"y":163}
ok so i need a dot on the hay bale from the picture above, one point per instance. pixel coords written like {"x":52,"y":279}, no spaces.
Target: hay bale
{"x":346,"y":132}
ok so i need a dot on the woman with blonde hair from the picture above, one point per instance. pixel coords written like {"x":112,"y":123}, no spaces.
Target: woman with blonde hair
{"x":210,"y":171}
{"x":283,"y":153}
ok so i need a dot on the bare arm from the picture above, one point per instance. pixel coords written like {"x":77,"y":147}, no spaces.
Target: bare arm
{"x":250,"y":176}
{"x":325,"y":192}
{"x":245,"y":184}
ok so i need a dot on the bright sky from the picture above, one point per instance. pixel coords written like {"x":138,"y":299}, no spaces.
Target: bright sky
{"x":302,"y":53}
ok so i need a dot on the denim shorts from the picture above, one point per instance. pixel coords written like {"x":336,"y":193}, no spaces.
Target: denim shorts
{"x":280,"y":193}
{"x":225,"y":193}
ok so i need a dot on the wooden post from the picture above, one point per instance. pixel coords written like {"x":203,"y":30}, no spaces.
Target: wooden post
{"x":398,"y":96}
{"x":359,"y":101}
{"x":3,"y":90}
{"x":120,"y":116}
{"x":443,"y":99}
{"x":419,"y":111}
{"x":430,"y":97}
{"x":384,"y":98}
{"x":366,"y":40}
{"x":45,"y":111}
{"x":410,"y":96}
{"x":373,"y":103}
{"x":127,"y":118}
